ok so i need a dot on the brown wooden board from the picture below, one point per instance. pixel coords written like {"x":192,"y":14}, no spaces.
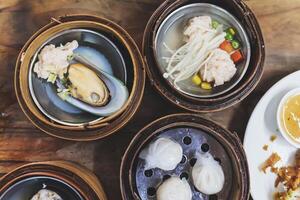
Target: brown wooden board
{"x":21,"y":142}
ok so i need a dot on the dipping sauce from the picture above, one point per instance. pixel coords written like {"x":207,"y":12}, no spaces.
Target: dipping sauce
{"x":291,"y":117}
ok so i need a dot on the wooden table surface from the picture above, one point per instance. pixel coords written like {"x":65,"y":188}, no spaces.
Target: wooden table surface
{"x":21,"y":142}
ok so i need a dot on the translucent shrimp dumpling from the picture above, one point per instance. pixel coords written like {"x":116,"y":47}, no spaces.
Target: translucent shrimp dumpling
{"x":174,"y":189}
{"x":164,"y":153}
{"x":208,"y":175}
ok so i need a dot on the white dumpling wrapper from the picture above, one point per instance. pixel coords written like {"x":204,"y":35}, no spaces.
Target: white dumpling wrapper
{"x":174,"y":189}
{"x":45,"y":194}
{"x":164,"y":153}
{"x":208,"y":175}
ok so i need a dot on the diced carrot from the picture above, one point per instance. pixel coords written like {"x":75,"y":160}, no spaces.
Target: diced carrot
{"x":237,"y":56}
{"x":226,"y":46}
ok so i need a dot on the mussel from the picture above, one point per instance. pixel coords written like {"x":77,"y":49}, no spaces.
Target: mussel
{"x":92,"y":89}
{"x":87,"y":86}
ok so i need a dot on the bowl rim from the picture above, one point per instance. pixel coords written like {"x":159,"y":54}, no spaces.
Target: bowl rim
{"x":282,"y":129}
{"x":33,"y":61}
{"x":198,"y":105}
{"x":88,"y":132}
{"x":180,"y":119}
{"x":232,"y":18}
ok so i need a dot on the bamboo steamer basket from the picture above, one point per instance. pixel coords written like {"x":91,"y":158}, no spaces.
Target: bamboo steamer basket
{"x":78,"y":177}
{"x":202,"y":105}
{"x":192,"y":132}
{"x":88,"y":131}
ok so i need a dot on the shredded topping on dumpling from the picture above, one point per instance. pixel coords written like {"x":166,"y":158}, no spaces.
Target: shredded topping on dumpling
{"x":45,"y":194}
{"x":54,"y":60}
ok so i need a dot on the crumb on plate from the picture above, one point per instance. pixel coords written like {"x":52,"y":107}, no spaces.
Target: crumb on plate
{"x":273,"y":138}
{"x":270,"y":162}
{"x":265,"y":147}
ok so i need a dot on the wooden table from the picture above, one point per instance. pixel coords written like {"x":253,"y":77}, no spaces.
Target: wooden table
{"x":21,"y":142}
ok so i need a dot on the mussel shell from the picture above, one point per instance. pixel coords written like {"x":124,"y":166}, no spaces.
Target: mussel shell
{"x":118,"y":91}
{"x":91,"y":43}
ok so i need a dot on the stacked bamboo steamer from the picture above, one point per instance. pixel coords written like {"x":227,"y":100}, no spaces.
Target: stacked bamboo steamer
{"x":88,"y":131}
{"x":192,"y":132}
{"x":245,"y":16}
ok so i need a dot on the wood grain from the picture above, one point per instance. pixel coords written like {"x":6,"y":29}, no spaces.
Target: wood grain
{"x":21,"y":142}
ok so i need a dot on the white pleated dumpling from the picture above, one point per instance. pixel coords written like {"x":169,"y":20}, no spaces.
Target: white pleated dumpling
{"x":208,"y":175}
{"x":45,"y":194}
{"x":174,"y":188}
{"x":164,"y":153}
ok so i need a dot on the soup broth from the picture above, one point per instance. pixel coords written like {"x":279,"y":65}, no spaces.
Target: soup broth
{"x":291,"y":117}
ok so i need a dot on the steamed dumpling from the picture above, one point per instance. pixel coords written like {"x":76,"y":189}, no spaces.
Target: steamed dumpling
{"x":208,"y":175}
{"x":45,"y":194}
{"x":174,"y":189}
{"x":164,"y":153}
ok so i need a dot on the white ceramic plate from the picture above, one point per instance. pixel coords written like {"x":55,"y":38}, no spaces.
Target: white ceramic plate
{"x":261,"y":126}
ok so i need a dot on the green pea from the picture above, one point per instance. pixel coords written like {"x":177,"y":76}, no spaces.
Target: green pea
{"x":229,"y":36}
{"x":215,"y":24}
{"x":235,"y":44}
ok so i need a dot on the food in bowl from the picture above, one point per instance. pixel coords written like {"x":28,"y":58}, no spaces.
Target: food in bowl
{"x":169,"y":36}
{"x":174,"y":188}
{"x":288,"y":178}
{"x":79,"y":81}
{"x":45,"y":194}
{"x":208,"y":56}
{"x":54,"y":61}
{"x":288,"y":117}
{"x":164,"y":153}
{"x":195,"y":140}
{"x":208,"y":175}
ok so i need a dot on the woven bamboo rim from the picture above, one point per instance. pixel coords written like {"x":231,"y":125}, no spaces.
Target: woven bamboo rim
{"x":119,"y":119}
{"x":79,"y":178}
{"x":228,"y":139}
{"x":203,"y":105}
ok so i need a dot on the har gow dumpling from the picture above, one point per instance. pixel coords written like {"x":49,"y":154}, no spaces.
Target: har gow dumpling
{"x":164,"y":153}
{"x":174,"y":189}
{"x":208,"y":175}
